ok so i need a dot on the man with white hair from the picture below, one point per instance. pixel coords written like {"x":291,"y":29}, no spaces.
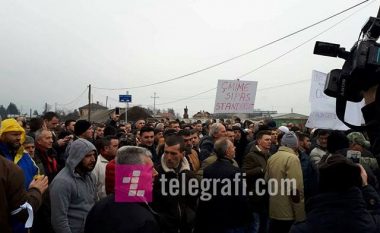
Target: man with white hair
{"x":206,"y":145}
{"x":110,"y":216}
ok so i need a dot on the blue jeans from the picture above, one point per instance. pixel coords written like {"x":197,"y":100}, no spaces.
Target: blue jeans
{"x":260,"y":223}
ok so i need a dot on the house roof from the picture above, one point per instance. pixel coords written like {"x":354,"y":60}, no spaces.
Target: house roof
{"x":288,"y":116}
{"x":94,"y":106}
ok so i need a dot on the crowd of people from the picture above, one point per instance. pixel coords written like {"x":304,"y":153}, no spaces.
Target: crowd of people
{"x":60,"y":176}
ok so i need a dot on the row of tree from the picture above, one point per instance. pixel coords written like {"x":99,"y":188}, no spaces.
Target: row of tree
{"x":12,"y":110}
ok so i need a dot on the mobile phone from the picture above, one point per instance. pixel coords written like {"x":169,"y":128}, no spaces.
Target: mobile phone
{"x":117,"y":111}
{"x":354,"y":155}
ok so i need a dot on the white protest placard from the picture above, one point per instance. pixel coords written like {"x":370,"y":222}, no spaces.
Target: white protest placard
{"x":235,"y":96}
{"x":323,"y":108}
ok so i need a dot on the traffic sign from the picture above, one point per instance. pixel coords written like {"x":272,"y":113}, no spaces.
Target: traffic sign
{"x":125,"y":98}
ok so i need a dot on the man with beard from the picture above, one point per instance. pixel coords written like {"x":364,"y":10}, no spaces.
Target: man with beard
{"x":12,"y":135}
{"x":72,"y":191}
{"x":191,"y":155}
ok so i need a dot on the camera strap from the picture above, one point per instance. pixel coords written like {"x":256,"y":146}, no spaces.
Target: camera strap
{"x":341,"y":111}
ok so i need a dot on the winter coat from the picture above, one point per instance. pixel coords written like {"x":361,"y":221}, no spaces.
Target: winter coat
{"x":285,"y":164}
{"x":13,"y":195}
{"x":309,"y":174}
{"x":72,"y":196}
{"x":254,"y":165}
{"x":354,"y":211}
{"x":206,"y":147}
{"x":177,"y":212}
{"x":207,"y":162}
{"x":24,"y":161}
{"x":316,"y":155}
{"x":223,"y":212}
{"x":121,"y":217}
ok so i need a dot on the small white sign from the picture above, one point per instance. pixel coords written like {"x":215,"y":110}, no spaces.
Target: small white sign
{"x":235,"y":96}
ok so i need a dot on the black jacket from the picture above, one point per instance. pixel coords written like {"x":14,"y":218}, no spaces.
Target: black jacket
{"x":354,"y":211}
{"x":113,"y":217}
{"x":371,"y":114}
{"x":223,"y":212}
{"x":206,"y":147}
{"x":177,"y":212}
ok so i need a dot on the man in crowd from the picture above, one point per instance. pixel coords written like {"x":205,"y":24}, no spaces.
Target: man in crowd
{"x":284,"y":165}
{"x":321,"y":148}
{"x":346,"y":202}
{"x":191,"y":155}
{"x":174,"y":125}
{"x":309,"y":171}
{"x":139,"y":124}
{"x":224,"y":213}
{"x":12,"y":136}
{"x":254,"y":164}
{"x":99,"y":131}
{"x":121,"y":217}
{"x":29,"y":146}
{"x":195,"y":140}
{"x":177,"y":211}
{"x":13,"y":195}
{"x":240,"y":142}
{"x":217,"y":131}
{"x":83,"y":129}
{"x":72,"y":191}
{"x":147,"y":141}
{"x":230,"y":134}
{"x":45,"y":155}
{"x":68,"y":130}
{"x":107,"y":148}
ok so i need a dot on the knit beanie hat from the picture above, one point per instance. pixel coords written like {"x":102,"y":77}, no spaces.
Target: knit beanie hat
{"x":290,"y":140}
{"x":81,"y":126}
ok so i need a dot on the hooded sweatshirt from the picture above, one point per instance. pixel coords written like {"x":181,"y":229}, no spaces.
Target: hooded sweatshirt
{"x":72,"y":196}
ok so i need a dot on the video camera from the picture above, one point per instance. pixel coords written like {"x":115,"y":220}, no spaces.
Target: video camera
{"x":360,"y":71}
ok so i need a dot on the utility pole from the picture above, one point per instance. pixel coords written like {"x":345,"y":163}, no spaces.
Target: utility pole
{"x":154,"y":102}
{"x":126,"y":110}
{"x":89,"y":102}
{"x":107,"y":101}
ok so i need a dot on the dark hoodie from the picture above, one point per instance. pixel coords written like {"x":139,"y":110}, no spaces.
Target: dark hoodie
{"x":72,"y":196}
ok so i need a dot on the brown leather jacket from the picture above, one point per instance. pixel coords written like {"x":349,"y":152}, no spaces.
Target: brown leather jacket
{"x":13,"y":194}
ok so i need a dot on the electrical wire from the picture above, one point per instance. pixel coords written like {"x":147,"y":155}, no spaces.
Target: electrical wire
{"x":74,"y":100}
{"x":238,"y":56}
{"x":271,"y":61}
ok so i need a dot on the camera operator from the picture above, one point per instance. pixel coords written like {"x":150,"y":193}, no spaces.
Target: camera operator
{"x":371,"y":114}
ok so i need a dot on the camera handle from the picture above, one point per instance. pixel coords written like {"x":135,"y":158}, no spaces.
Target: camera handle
{"x":341,"y":110}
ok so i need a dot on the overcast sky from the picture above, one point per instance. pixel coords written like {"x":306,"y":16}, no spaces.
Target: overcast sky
{"x":51,"y":50}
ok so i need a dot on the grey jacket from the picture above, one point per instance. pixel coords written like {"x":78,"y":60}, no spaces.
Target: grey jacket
{"x":72,"y":196}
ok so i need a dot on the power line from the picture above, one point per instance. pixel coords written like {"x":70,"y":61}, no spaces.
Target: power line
{"x":271,"y":61}
{"x":74,"y":100}
{"x":238,"y":56}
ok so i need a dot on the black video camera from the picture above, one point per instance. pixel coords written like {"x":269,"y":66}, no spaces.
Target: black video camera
{"x":360,"y":71}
